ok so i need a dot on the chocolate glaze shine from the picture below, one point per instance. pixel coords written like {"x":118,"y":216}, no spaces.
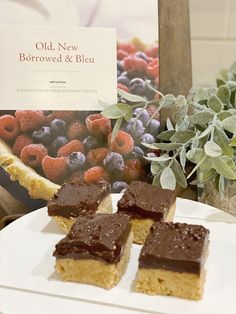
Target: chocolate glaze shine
{"x":98,"y":236}
{"x":75,"y":199}
{"x":143,"y":200}
{"x":177,"y":247}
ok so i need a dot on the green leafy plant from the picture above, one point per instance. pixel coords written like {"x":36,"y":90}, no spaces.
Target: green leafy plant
{"x":201,"y":132}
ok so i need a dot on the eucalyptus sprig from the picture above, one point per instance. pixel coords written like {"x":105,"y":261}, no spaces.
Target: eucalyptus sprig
{"x":203,"y":133}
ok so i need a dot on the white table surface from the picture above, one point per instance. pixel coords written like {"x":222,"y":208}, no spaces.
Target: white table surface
{"x":17,"y":301}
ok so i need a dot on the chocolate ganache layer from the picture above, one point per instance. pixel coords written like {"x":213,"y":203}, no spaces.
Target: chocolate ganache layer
{"x":177,"y":247}
{"x":143,"y":200}
{"x":75,"y":199}
{"x":98,"y":236}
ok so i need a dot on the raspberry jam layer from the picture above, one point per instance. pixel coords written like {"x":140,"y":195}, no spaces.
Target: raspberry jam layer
{"x":178,"y":247}
{"x":143,"y":200}
{"x":75,"y":199}
{"x":99,"y":236}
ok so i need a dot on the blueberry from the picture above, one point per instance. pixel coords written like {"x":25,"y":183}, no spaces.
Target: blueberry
{"x":120,"y":66}
{"x":137,"y":86}
{"x":134,"y":127}
{"x":153,"y":127}
{"x":142,"y":115}
{"x":151,"y":154}
{"x":114,"y":162}
{"x":137,"y":153}
{"x":142,"y":55}
{"x":118,"y":73}
{"x":123,"y":80}
{"x":76,"y":161}
{"x":90,"y":142}
{"x":59,"y":142}
{"x":42,"y":135}
{"x":147,"y":138}
{"x":58,"y":127}
{"x":118,"y":186}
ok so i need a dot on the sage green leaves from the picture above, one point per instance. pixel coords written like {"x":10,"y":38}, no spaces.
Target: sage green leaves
{"x":200,"y":146}
{"x":199,"y":141}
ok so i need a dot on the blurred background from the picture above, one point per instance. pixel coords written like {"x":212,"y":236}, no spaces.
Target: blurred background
{"x":213,"y":25}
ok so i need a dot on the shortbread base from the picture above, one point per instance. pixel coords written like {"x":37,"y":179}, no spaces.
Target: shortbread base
{"x":165,"y":282}
{"x":141,"y":227}
{"x":95,"y":272}
{"x":65,"y":224}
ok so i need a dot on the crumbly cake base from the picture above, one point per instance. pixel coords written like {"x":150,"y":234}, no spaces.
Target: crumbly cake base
{"x":141,"y":227}
{"x":65,"y":224}
{"x":95,"y":272}
{"x":165,"y":282}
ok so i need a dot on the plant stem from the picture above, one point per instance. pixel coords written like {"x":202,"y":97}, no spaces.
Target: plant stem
{"x":196,"y":167}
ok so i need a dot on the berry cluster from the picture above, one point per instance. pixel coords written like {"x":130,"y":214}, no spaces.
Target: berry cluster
{"x":79,"y":146}
{"x":135,"y":66}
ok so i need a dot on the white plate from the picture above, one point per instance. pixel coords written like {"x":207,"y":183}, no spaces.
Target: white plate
{"x":27,"y":263}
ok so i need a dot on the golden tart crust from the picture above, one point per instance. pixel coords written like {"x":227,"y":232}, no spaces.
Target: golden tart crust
{"x":37,"y":186}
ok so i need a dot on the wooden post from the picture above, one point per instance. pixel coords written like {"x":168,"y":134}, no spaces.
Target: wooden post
{"x":174,"y":49}
{"x":175,"y":59}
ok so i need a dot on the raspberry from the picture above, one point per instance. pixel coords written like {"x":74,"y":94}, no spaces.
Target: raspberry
{"x":121,"y":54}
{"x":33,"y":154}
{"x":98,"y":125}
{"x":122,"y":143}
{"x":152,"y":52}
{"x":125,"y":88}
{"x":76,"y":130}
{"x":55,"y":169}
{"x":128,"y":47}
{"x":96,"y":174}
{"x":151,"y":110}
{"x":9,"y":127}
{"x":153,"y":68}
{"x":67,"y":149}
{"x":29,"y":119}
{"x":48,"y":119}
{"x":133,"y":170}
{"x":96,"y":156}
{"x":134,"y":65}
{"x":64,"y":115}
{"x":20,"y":142}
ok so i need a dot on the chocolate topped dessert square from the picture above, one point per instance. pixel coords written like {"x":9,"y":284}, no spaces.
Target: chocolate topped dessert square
{"x":96,"y":250}
{"x":172,"y":260}
{"x":79,"y":199}
{"x":145,"y":204}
